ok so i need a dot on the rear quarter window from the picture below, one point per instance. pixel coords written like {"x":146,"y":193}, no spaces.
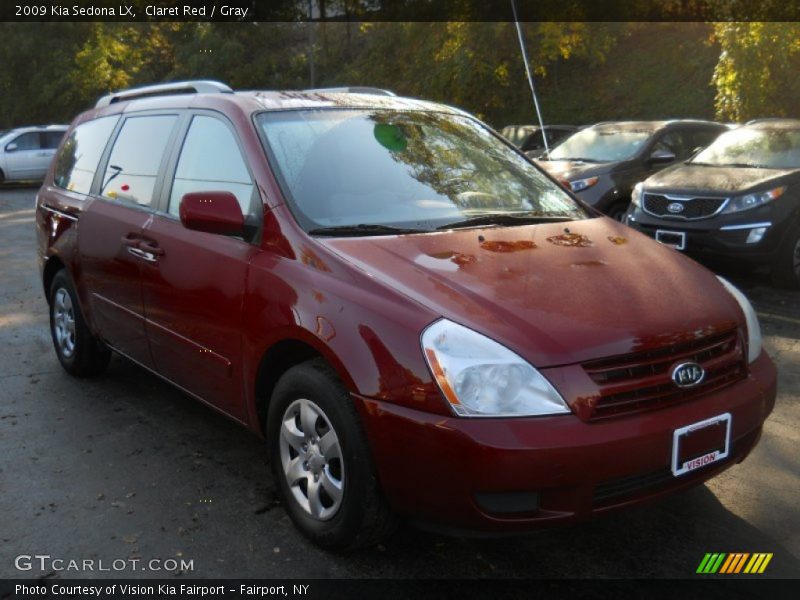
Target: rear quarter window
{"x":77,"y":162}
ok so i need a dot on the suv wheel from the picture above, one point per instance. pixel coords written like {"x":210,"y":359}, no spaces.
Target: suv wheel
{"x":618,"y":210}
{"x":321,"y":460}
{"x":77,"y":349}
{"x":786,"y":273}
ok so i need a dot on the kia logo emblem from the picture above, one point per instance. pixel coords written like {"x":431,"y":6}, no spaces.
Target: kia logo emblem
{"x":688,"y":374}
{"x":675,"y":207}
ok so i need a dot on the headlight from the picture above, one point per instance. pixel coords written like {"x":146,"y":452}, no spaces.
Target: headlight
{"x":481,"y":378}
{"x":753,"y":328}
{"x":747,"y":201}
{"x":636,"y":194}
{"x":578,"y":185}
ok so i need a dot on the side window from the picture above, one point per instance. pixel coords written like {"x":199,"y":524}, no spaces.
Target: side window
{"x":672,"y":142}
{"x":211,"y":161}
{"x":135,"y":159}
{"x":703,"y":137}
{"x":27,"y":141}
{"x":534,"y":141}
{"x":52,"y":139}
{"x":77,"y":162}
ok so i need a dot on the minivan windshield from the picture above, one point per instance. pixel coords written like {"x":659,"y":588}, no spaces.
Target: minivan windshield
{"x":776,"y":148}
{"x":372,"y":172}
{"x":601,"y":145}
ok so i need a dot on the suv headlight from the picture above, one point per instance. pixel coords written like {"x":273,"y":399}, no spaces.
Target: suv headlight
{"x":578,"y":185}
{"x":753,"y":327}
{"x":636,"y":194}
{"x":748,"y":201}
{"x":481,"y":378}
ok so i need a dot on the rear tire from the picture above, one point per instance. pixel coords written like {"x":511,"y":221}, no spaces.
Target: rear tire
{"x":786,"y":273}
{"x":322,"y":463}
{"x":78,"y":351}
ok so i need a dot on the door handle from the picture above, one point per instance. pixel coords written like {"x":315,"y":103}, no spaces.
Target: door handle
{"x":151,"y":248}
{"x":130,"y":242}
{"x":138,"y":253}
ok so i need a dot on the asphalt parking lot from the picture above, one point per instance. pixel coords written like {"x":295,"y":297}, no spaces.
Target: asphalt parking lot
{"x":126,"y":466}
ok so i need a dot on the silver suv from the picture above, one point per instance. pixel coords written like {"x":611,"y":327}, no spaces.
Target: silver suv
{"x":26,"y":152}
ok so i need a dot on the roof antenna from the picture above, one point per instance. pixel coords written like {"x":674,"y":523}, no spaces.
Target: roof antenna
{"x":530,"y":76}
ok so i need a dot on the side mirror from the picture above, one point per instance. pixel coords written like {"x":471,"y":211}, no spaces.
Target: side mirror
{"x":212,"y":212}
{"x":12,"y":147}
{"x":662,"y":157}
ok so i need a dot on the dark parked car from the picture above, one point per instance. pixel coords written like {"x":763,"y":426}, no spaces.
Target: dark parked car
{"x":418,"y":320}
{"x":530,"y":140}
{"x":602,"y":163}
{"x":737,"y":200}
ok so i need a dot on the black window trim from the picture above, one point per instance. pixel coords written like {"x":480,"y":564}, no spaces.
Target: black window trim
{"x":161,"y":204}
{"x":80,"y":195}
{"x":112,"y":140}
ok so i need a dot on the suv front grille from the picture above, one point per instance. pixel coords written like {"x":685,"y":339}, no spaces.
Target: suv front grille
{"x":693,"y":208}
{"x":642,"y":381}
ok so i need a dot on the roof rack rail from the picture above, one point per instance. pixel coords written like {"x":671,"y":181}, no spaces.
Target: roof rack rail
{"x":165,"y":89}
{"x":767,"y":119}
{"x":357,"y":89}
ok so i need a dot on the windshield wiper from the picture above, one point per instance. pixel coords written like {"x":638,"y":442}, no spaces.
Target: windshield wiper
{"x":364,"y":229}
{"x":574,"y":159}
{"x":734,"y":165}
{"x":505,"y":219}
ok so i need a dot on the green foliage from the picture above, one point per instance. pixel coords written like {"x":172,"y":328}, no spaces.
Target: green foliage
{"x":654,"y":71}
{"x":585,"y":71}
{"x":756,"y":75}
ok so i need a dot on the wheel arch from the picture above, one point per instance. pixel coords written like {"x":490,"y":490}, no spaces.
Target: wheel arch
{"x":53,"y":265}
{"x":281,"y":356}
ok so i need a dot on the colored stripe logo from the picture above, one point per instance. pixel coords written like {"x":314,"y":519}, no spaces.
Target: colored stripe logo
{"x":734,"y":563}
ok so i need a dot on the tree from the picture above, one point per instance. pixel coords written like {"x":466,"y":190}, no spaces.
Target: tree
{"x":756,"y":75}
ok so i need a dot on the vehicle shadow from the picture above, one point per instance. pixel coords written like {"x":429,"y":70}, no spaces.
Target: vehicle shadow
{"x":203,"y":485}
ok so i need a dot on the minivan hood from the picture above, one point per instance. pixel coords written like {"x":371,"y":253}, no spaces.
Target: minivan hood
{"x":689,"y":178}
{"x":552,"y":303}
{"x":574,"y":169}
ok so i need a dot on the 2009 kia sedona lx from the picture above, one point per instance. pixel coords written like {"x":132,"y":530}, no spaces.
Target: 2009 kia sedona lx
{"x":419,"y":321}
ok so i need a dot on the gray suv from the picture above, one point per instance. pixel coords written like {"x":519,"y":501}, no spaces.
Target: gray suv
{"x":26,"y":152}
{"x":601,"y":164}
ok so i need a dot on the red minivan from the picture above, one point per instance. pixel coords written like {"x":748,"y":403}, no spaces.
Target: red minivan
{"x":419,"y":321}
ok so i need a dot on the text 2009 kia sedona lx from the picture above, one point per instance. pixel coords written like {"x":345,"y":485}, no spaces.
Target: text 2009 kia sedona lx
{"x":419,"y":321}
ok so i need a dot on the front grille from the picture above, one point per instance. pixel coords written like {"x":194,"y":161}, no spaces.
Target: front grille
{"x":693,"y":208}
{"x":642,"y":381}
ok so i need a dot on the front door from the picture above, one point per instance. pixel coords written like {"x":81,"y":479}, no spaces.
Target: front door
{"x":110,"y":233}
{"x":25,"y":157}
{"x":194,"y":289}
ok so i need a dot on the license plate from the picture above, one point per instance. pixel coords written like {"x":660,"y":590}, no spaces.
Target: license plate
{"x":701,"y":444}
{"x":674,"y":239}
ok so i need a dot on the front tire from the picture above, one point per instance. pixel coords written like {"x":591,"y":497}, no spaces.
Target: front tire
{"x":77,"y":349}
{"x":321,"y":461}
{"x":786,"y":273}
{"x":618,"y":210}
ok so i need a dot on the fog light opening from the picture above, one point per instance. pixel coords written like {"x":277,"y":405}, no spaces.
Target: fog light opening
{"x":756,"y":235}
{"x":508,"y":503}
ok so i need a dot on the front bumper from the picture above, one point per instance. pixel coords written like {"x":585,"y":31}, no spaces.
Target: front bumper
{"x":723,"y":237}
{"x":439,"y":470}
